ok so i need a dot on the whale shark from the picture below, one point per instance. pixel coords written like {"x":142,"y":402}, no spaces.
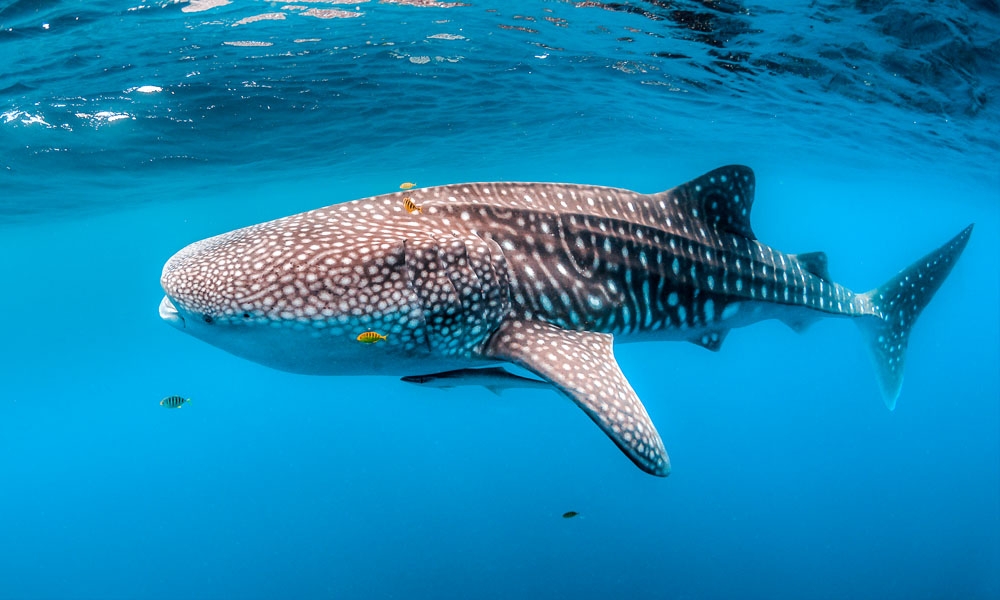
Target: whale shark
{"x":545,"y":276}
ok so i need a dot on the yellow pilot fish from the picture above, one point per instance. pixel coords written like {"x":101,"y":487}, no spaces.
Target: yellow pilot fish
{"x":407,"y":186}
{"x":370,"y":337}
{"x":411,"y":206}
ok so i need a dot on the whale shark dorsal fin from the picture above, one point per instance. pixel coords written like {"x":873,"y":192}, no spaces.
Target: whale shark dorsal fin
{"x":722,"y":198}
{"x":581,"y":365}
{"x":814,"y":262}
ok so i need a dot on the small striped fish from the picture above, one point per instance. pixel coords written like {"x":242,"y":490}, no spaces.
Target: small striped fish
{"x":410,"y":206}
{"x":370,"y":337}
{"x":174,"y":402}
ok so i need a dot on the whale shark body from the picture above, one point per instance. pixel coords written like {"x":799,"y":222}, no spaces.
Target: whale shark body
{"x":545,"y":276}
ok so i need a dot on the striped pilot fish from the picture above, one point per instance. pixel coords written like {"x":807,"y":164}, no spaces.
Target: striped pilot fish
{"x":542,"y":275}
{"x":174,"y":402}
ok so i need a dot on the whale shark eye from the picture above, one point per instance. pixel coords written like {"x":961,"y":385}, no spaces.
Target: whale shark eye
{"x":207,"y":319}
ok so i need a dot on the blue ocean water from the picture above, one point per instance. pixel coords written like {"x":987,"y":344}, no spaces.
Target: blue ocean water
{"x":129,"y":131}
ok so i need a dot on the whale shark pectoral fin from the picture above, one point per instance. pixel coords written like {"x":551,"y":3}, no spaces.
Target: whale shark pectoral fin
{"x":582,"y":365}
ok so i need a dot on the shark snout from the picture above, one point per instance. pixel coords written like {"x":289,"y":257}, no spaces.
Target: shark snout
{"x":169,"y":313}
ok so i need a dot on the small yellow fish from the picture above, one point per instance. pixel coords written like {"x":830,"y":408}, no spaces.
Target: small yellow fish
{"x":411,"y":206}
{"x":407,"y":186}
{"x":174,"y":402}
{"x":370,"y":337}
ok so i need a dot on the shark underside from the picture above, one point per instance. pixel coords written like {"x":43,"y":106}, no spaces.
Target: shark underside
{"x":437,"y":282}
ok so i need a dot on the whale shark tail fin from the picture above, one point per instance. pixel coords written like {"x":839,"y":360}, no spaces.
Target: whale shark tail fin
{"x":897,"y":304}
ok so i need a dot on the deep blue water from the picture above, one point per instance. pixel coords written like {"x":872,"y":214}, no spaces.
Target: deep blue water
{"x":129,"y":132}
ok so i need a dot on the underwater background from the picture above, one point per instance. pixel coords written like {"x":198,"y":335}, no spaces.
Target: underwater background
{"x":130,"y":129}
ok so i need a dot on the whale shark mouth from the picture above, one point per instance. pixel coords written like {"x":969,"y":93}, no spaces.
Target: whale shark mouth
{"x":168,"y":312}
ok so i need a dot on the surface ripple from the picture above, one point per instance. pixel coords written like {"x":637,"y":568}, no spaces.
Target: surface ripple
{"x":165,"y":86}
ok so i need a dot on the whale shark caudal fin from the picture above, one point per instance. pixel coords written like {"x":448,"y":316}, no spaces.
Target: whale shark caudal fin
{"x":581,"y":364}
{"x":899,"y":301}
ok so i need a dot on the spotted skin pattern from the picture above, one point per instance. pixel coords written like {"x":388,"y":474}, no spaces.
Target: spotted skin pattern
{"x":543,"y":275}
{"x":601,"y":389}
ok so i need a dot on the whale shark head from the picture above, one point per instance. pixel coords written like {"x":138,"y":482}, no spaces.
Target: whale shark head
{"x":296,"y":294}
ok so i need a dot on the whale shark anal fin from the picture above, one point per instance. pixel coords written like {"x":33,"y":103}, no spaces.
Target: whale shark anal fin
{"x":711,"y":340}
{"x":582,"y":365}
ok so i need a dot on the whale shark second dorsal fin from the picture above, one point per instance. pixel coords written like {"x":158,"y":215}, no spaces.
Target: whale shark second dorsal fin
{"x":814,"y":262}
{"x":722,"y":198}
{"x":582,"y":365}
